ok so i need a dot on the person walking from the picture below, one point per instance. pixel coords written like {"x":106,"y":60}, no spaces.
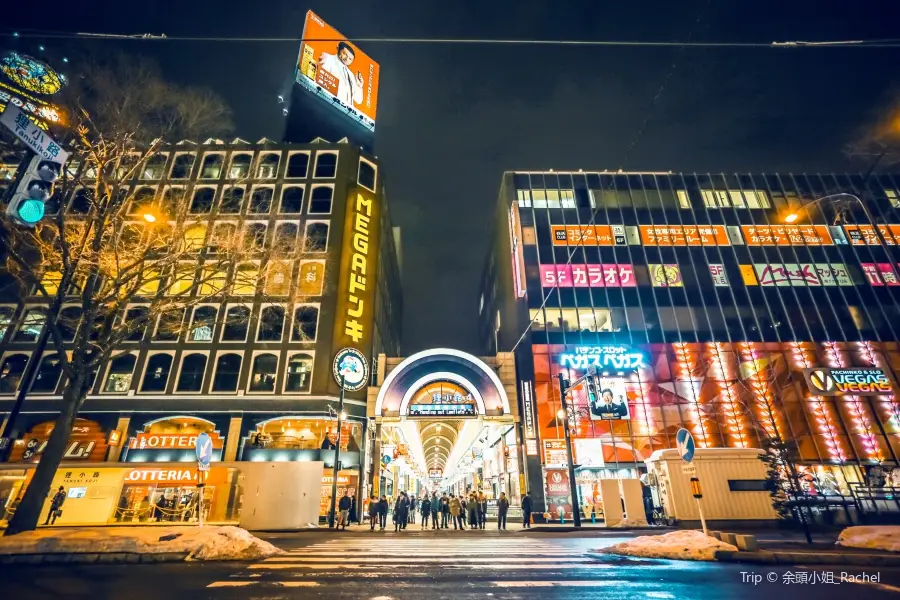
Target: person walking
{"x":373,"y":512}
{"x":398,"y":512}
{"x":463,"y":511}
{"x":412,"y":509}
{"x":482,"y":509}
{"x":56,"y":506}
{"x":455,"y":510}
{"x":502,"y":509}
{"x":354,"y":518}
{"x":435,"y":509}
{"x":526,"y":510}
{"x":382,"y":511}
{"x":425,"y":507}
{"x":405,"y":509}
{"x":472,"y":505}
{"x":344,"y":507}
{"x":445,"y":510}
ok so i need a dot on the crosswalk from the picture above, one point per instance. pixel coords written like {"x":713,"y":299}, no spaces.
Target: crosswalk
{"x":492,"y":559}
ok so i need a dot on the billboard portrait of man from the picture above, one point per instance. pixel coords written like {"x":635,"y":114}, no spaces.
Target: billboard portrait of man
{"x":350,"y":85}
{"x":611,"y":401}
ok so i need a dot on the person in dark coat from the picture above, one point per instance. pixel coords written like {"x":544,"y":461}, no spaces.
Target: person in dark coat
{"x":56,"y":506}
{"x":344,"y":505}
{"x":398,"y":512}
{"x":526,"y":510}
{"x":373,"y":512}
{"x":382,"y":511}
{"x":463,"y":511}
{"x":405,"y":508}
{"x":435,"y":509}
{"x":425,"y":508}
{"x":502,"y":509}
{"x":445,"y":511}
{"x":482,"y":509}
{"x":473,"y":509}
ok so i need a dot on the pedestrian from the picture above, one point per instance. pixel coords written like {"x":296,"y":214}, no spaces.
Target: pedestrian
{"x":472,"y":505}
{"x":353,"y":517}
{"x":405,"y":510}
{"x":435,"y":509}
{"x":502,"y":509}
{"x":382,"y":511}
{"x":56,"y":506}
{"x":482,"y":509}
{"x":412,"y":509}
{"x":398,"y":512}
{"x":455,"y":510}
{"x":445,"y":510}
{"x":526,"y":510}
{"x":425,"y":507}
{"x":373,"y":512}
{"x":344,"y":507}
{"x":463,"y":510}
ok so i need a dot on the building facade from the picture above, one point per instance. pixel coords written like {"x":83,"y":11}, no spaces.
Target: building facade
{"x":253,"y":369}
{"x":699,"y":300}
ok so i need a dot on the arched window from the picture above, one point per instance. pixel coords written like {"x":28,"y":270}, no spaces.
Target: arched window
{"x":232,"y":199}
{"x":240,"y":166}
{"x":236,"y":324}
{"x":142,"y":201}
{"x":261,"y":200}
{"x":286,"y":237}
{"x":212,"y":166}
{"x":268,"y":166}
{"x":11,"y":372}
{"x":320,"y":201}
{"x":181,"y":168}
{"x":193,"y":367}
{"x":70,"y":318}
{"x":155,"y":166}
{"x":298,"y":164}
{"x":6,"y":315}
{"x":121,"y":370}
{"x":32,"y":324}
{"x":228,"y":371}
{"x":299,"y":373}
{"x":291,"y":200}
{"x":202,"y":201}
{"x":156,"y":375}
{"x":203,"y":324}
{"x":271,"y":324}
{"x":262,"y":377}
{"x":48,"y":375}
{"x":306,"y":319}
{"x":326,"y":164}
{"x":316,"y":237}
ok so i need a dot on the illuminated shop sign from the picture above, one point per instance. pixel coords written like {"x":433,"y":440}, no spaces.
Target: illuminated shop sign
{"x":435,"y":473}
{"x":588,"y":235}
{"x":527,"y":401}
{"x":787,"y":235}
{"x":880,"y":274}
{"x":848,"y":382}
{"x":719,"y":276}
{"x":603,"y":357}
{"x":611,"y":400}
{"x":160,"y":441}
{"x":441,"y":410}
{"x":665,"y":276}
{"x":608,"y":275}
{"x":531,"y":448}
{"x":155,"y":475}
{"x":515,"y":244}
{"x":802,"y":275}
{"x":555,"y":452}
{"x":684,"y":235}
{"x":865,"y":235}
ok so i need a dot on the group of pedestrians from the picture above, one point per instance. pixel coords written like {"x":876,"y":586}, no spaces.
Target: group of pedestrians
{"x":463,"y":511}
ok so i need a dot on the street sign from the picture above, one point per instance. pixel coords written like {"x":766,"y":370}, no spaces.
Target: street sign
{"x":34,"y":137}
{"x":689,"y":469}
{"x":203,"y":449}
{"x":685,"y":442}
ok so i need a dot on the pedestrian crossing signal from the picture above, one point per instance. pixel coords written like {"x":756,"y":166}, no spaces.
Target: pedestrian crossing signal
{"x":35,"y":188}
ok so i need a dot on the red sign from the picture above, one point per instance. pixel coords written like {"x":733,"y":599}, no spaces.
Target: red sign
{"x":880,"y":274}
{"x":610,"y":275}
{"x":787,"y":235}
{"x":684,"y":235}
{"x":87,"y":442}
{"x":170,"y":441}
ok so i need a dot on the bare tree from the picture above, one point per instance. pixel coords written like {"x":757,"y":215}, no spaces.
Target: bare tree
{"x":876,"y":143}
{"x":120,"y":260}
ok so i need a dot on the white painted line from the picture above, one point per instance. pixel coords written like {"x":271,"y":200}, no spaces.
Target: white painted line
{"x":582,"y":565}
{"x":296,"y":583}
{"x":219,"y":584}
{"x":407,"y":561}
{"x":523,"y":584}
{"x":658,"y":595}
{"x":296,"y":565}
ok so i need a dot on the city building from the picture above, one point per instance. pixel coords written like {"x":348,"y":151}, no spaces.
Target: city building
{"x":253,"y":370}
{"x":740,"y":307}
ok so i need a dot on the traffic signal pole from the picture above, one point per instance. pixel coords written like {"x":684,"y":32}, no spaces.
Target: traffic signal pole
{"x":573,"y":486}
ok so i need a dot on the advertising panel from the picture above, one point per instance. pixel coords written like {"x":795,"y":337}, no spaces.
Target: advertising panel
{"x":665,"y":276}
{"x":748,"y":275}
{"x":588,"y":452}
{"x":331,"y":65}
{"x":587,"y":235}
{"x":802,"y":275}
{"x":531,"y":448}
{"x":848,"y":382}
{"x":611,"y":401}
{"x":559,"y":502}
{"x":312,"y":277}
{"x":607,"y":275}
{"x":719,"y":277}
{"x":620,"y":358}
{"x":528,"y":411}
{"x":787,"y":235}
{"x":159,"y":441}
{"x":87,"y":442}
{"x":555,"y":452}
{"x":684,"y":235}
{"x":880,"y":274}
{"x":515,"y":244}
{"x":865,"y":235}
{"x":27,"y":83}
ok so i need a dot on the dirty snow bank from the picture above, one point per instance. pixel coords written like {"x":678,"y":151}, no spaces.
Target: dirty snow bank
{"x":874,"y":538}
{"x":199,"y":543}
{"x":681,"y":545}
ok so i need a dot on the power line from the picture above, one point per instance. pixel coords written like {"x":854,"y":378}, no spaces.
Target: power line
{"x":151,"y":37}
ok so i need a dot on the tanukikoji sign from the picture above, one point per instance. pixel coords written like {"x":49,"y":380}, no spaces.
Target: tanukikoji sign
{"x":848,"y":382}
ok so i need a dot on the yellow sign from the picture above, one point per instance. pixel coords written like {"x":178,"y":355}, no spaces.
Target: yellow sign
{"x":312,"y":276}
{"x":748,"y":275}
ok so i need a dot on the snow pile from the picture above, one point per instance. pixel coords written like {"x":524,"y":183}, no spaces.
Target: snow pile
{"x":199,"y":543}
{"x":873,"y":538}
{"x":628,"y":523}
{"x":682,"y":545}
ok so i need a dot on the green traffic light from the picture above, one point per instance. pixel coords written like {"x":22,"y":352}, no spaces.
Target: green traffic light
{"x":30,"y":211}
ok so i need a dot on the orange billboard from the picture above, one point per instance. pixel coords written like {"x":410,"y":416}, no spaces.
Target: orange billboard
{"x":330,"y":64}
{"x":684,"y":235}
{"x":588,"y":235}
{"x":864,"y":235}
{"x":787,"y":235}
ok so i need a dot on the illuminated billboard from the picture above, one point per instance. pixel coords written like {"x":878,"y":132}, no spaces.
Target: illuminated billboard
{"x":334,"y":67}
{"x":28,"y":83}
{"x":848,"y":382}
{"x":611,"y":401}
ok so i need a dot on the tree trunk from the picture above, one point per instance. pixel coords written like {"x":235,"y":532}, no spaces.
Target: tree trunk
{"x":29,"y":510}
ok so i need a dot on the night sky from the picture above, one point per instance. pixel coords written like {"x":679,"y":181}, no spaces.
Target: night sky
{"x":452,"y":118}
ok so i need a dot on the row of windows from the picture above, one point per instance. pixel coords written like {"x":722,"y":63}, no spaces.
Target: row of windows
{"x":660,"y":199}
{"x":189,"y":377}
{"x":233,"y":323}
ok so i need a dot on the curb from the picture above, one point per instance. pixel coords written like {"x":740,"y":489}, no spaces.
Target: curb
{"x":573,"y":529}
{"x":809,"y":558}
{"x":85,"y":558}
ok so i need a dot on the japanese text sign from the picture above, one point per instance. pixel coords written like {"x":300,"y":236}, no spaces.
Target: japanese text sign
{"x":34,"y":137}
{"x":684,"y":235}
{"x":609,"y":275}
{"x":787,"y":235}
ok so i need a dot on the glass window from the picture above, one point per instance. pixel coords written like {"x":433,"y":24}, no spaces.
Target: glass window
{"x":299,"y":373}
{"x":168,"y":327}
{"x":316,"y":237}
{"x":47,"y":378}
{"x":240,"y":166}
{"x":367,"y":174}
{"x":31,"y":327}
{"x":271,"y":324}
{"x":182,"y":279}
{"x":50,"y":281}
{"x":306,"y":320}
{"x":6,"y":315}
{"x":232,"y":199}
{"x":194,"y":237}
{"x":298,"y":164}
{"x":212,"y":166}
{"x":567,"y":198}
{"x":268,"y":166}
{"x":245,"y":279}
{"x":524,"y":198}
{"x":203,"y":324}
{"x":228,"y":371}
{"x":136,"y":316}
{"x":684,"y":201}
{"x":320,"y":200}
{"x":181,"y":168}
{"x":156,"y":375}
{"x":155,"y":166}
{"x":326,"y":165}
{"x":213,"y":282}
{"x":142,"y":201}
{"x":81,"y":201}
{"x":599,"y":319}
{"x":222,"y":238}
{"x":121,"y":370}
{"x":286,"y":237}
{"x":291,"y":200}
{"x":893,"y":197}
{"x":236,"y":324}
{"x":262,"y":377}
{"x":261,"y":200}
{"x":11,"y":372}
{"x":193,"y":367}
{"x":255,"y":236}
{"x":202,"y":202}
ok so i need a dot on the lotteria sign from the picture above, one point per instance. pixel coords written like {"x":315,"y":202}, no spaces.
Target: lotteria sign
{"x":848,"y":382}
{"x":618,"y":358}
{"x":153,"y":475}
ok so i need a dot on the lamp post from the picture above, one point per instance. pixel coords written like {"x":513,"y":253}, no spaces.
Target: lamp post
{"x":573,"y":487}
{"x":794,"y":216}
{"x":337,"y":456}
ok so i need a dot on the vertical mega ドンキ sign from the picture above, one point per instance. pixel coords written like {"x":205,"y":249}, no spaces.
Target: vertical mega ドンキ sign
{"x":355,"y":307}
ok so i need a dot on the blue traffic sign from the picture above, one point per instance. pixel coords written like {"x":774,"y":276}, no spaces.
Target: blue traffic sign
{"x":203,"y":449}
{"x":686,"y":446}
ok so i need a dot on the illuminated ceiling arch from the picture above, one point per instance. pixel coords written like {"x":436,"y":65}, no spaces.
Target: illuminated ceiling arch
{"x":442,"y":376}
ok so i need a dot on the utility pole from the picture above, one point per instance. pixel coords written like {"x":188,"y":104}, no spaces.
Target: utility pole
{"x":337,"y":457}
{"x":573,"y":486}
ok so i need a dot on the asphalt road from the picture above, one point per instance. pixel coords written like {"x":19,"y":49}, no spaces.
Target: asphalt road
{"x":435,"y":565}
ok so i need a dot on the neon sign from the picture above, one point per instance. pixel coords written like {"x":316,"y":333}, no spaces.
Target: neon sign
{"x":848,"y":382}
{"x":603,"y":357}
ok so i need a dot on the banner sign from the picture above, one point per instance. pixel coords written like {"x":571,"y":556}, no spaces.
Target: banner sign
{"x":175,"y":441}
{"x":684,"y":235}
{"x":610,"y":275}
{"x":865,"y":235}
{"x":848,"y":382}
{"x":531,"y":448}
{"x":617,"y":358}
{"x":611,"y":401}
{"x":802,"y":275}
{"x":665,"y":276}
{"x":555,"y":452}
{"x":787,"y":235}
{"x":719,"y":277}
{"x":880,"y":274}
{"x":527,"y":404}
{"x":588,"y":235}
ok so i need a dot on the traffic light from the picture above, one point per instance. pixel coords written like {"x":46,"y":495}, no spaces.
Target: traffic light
{"x":34,"y":189}
{"x":593,"y":389}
